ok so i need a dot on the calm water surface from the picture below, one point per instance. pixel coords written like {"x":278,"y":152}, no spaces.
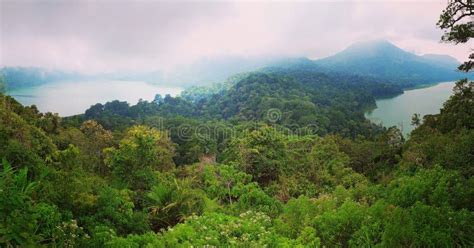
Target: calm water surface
{"x":70,"y":98}
{"x":397,"y":111}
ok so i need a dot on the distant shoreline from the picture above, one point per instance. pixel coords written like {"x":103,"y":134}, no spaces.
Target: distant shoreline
{"x":395,"y":113}
{"x":427,"y":85}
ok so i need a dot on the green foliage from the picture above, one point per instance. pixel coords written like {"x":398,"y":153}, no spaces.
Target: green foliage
{"x":23,"y":222}
{"x":16,"y":211}
{"x":279,"y":158}
{"x":422,"y":226}
{"x":458,"y":111}
{"x":249,"y":229}
{"x":256,"y":199}
{"x":275,"y":188}
{"x":83,"y":185}
{"x":114,"y":209}
{"x":3,"y":86}
{"x":224,"y":183}
{"x":335,"y":228}
{"x":307,"y":101}
{"x":22,"y":143}
{"x":74,"y":192}
{"x":145,"y":240}
{"x":170,"y":202}
{"x":447,"y":138}
{"x":456,"y":21}
{"x":142,"y":152}
{"x":260,"y":153}
{"x":434,"y":187}
{"x":96,"y":140}
{"x":296,"y":216}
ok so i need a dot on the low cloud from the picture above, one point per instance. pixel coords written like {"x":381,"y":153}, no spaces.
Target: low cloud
{"x":100,"y":36}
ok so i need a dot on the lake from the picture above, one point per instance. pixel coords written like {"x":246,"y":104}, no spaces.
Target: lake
{"x":71,"y":98}
{"x":397,"y":111}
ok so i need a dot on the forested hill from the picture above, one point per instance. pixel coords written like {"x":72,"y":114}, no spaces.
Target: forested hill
{"x":330,"y":103}
{"x":385,"y":61}
{"x":162,"y":180}
{"x":278,"y":157}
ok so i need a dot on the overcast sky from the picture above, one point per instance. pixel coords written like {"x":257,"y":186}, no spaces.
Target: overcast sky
{"x":97,"y":36}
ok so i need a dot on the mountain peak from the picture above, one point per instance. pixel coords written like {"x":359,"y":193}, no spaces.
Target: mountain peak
{"x":373,"y":43}
{"x":384,"y":60}
{"x":377,"y":47}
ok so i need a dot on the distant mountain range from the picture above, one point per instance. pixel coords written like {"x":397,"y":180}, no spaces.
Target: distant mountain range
{"x":441,"y":60}
{"x":379,"y":59}
{"x":21,"y":77}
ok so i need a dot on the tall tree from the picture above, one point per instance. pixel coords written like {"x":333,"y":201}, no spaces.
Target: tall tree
{"x":458,"y":23}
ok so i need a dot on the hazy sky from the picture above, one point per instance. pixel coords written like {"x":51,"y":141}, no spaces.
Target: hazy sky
{"x":94,"y":36}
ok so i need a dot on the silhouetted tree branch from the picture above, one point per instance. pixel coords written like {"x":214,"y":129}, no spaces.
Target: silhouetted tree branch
{"x":456,"y":30}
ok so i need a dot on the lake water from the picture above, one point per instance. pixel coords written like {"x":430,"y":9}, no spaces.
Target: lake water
{"x":397,"y":111}
{"x":70,"y":98}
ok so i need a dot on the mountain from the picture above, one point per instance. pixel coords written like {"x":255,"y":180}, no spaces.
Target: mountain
{"x":203,"y":72}
{"x":20,"y":77}
{"x":385,"y":61}
{"x":441,"y":60}
{"x":377,"y":60}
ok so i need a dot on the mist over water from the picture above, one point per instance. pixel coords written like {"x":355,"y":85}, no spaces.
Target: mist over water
{"x":71,"y":98}
{"x":397,"y":111}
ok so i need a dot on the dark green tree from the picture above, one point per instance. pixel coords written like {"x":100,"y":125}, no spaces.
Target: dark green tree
{"x":458,"y":23}
{"x":260,"y":153}
{"x":415,"y":119}
{"x":3,"y":85}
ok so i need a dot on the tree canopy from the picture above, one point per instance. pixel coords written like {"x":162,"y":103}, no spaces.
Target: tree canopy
{"x":279,"y":158}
